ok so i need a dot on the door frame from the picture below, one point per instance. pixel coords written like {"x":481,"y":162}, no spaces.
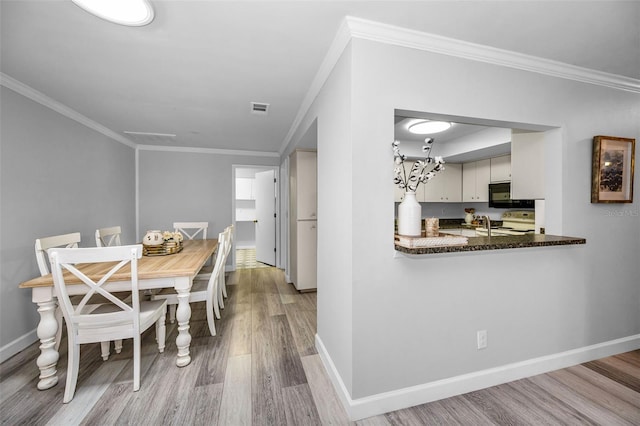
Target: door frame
{"x":276,"y":173}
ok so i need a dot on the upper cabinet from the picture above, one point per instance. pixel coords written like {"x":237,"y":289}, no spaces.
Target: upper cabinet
{"x":501,"y":169}
{"x":446,"y":186}
{"x":303,"y":180}
{"x":527,"y":157}
{"x":468,"y":182}
{"x":244,"y":189}
{"x":476,"y":177}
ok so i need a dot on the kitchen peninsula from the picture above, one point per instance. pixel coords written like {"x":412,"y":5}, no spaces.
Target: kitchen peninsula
{"x":515,"y":229}
{"x":496,"y":243}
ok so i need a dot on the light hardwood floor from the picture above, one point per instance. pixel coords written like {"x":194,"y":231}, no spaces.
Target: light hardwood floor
{"x":262,"y":369}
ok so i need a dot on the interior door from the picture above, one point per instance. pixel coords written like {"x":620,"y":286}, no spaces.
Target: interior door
{"x":265,"y":195}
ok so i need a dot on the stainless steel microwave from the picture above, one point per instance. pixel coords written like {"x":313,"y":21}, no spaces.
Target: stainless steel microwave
{"x":500,"y":197}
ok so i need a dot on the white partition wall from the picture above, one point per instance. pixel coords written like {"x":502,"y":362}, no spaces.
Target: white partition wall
{"x":397,"y":330}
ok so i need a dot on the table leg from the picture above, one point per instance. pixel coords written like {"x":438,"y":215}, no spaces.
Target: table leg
{"x":183,"y":315}
{"x":47,"y":329}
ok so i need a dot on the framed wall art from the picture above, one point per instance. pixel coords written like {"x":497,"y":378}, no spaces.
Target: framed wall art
{"x":612,"y":170}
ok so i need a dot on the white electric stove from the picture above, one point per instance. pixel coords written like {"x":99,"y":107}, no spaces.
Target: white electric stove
{"x":516,"y":222}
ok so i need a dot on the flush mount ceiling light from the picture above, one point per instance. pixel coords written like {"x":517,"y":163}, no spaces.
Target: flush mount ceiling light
{"x":134,"y":13}
{"x":427,"y":127}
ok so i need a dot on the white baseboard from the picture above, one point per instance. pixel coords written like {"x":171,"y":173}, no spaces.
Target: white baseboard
{"x":21,"y":343}
{"x":373,"y":405}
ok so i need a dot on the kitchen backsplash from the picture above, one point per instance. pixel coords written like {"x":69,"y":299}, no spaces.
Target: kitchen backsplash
{"x":456,"y":210}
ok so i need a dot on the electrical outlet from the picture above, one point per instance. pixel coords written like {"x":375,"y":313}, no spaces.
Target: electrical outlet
{"x":482,"y":339}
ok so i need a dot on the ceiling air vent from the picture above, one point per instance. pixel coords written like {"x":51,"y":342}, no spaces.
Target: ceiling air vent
{"x":259,"y":108}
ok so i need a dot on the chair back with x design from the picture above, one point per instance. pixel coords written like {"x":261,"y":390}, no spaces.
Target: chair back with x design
{"x":191,"y":229}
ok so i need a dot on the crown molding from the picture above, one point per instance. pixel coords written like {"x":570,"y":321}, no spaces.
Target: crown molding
{"x":208,"y":151}
{"x":389,"y":34}
{"x":41,"y":98}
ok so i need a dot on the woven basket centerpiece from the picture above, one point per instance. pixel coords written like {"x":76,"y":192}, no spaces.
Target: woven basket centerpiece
{"x":168,"y":247}
{"x":171,"y":244}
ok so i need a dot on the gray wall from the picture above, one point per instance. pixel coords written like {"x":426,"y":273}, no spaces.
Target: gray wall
{"x":413,"y":320}
{"x":189,"y":187}
{"x":57,"y":176}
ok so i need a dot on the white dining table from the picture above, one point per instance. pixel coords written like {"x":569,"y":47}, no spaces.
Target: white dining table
{"x":154,"y":272}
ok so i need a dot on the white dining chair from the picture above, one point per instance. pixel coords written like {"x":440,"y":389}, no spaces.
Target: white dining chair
{"x":114,"y":319}
{"x":191,"y":229}
{"x":108,"y":237}
{"x":204,"y":275}
{"x":67,"y":241}
{"x":227,"y":235}
{"x":201,"y":291}
{"x":229,"y":246}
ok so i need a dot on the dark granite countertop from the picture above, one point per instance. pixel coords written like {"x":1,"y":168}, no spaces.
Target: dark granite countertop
{"x":498,"y":243}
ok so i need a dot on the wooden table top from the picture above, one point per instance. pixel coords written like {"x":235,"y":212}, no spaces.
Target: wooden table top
{"x":186,"y":263}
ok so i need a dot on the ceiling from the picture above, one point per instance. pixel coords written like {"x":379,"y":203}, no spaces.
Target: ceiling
{"x":194,"y":71}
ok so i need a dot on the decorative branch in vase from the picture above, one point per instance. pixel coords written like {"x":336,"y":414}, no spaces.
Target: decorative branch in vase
{"x":418,"y":172}
{"x":423,"y":170}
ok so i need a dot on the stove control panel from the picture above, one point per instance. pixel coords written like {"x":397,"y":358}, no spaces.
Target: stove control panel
{"x":519,"y":215}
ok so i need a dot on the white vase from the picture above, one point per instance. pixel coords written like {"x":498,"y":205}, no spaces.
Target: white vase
{"x":410,"y":216}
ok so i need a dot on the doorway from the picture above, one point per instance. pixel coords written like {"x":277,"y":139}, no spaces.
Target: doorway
{"x":255,"y":216}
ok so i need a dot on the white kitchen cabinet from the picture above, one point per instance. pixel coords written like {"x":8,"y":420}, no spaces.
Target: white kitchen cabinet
{"x":476,"y":177}
{"x":398,"y":193}
{"x":304,"y":184}
{"x":244,"y":189}
{"x":527,"y":157}
{"x":307,"y":269}
{"x":452,"y":188}
{"x":446,"y":186}
{"x":501,"y":169}
{"x":302,"y":219}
